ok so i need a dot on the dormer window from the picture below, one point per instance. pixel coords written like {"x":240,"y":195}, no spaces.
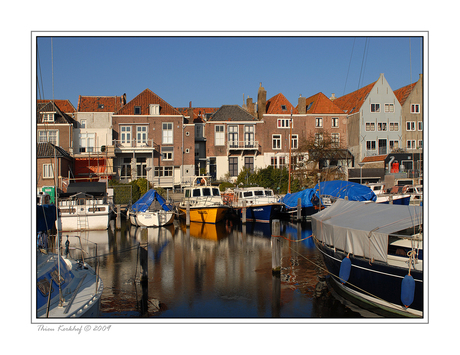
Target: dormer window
{"x":48,"y":117}
{"x":154,"y":109}
{"x":283,"y":107}
{"x":137,"y":110}
{"x":100,"y":106}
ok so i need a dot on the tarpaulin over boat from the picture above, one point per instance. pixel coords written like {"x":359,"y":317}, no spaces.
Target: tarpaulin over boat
{"x":46,"y":216}
{"x":290,"y":200}
{"x":342,"y":189}
{"x":146,"y":200}
{"x":362,"y":228}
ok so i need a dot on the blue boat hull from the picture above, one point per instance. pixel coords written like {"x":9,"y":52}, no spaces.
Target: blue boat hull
{"x":262,"y":213}
{"x":378,"y":279}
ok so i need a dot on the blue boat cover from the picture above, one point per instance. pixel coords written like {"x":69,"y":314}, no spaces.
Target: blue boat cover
{"x":46,"y":216}
{"x":146,"y":200}
{"x":342,"y":189}
{"x":290,"y":200}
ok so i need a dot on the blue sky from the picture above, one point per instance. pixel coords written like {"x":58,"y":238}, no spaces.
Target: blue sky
{"x":214,"y":71}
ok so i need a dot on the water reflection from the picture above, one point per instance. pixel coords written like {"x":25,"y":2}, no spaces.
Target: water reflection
{"x":210,"y":271}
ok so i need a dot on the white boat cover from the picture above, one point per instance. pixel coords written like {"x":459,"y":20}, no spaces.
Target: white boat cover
{"x":362,"y":228}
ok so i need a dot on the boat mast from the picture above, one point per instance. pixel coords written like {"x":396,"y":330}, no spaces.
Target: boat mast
{"x":290,"y":146}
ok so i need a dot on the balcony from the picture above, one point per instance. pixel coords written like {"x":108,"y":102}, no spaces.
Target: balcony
{"x":243,"y":145}
{"x":124,"y":146}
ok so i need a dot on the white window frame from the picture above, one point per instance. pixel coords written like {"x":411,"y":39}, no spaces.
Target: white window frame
{"x":48,"y":171}
{"x":410,"y":144}
{"x":249,"y":135}
{"x":415,"y":108}
{"x":382,"y":126}
{"x":87,"y":142}
{"x":410,"y":126}
{"x":276,"y":141}
{"x":142,"y":135}
{"x":371,"y":145}
{"x":393,"y":144}
{"x":48,"y":135}
{"x":125,"y":135}
{"x":394,"y":126}
{"x":335,"y":139}
{"x":48,"y":117}
{"x":389,"y":108}
{"x":375,"y":108}
{"x":420,"y":125}
{"x":370,"y":126}
{"x":232,"y":131}
{"x":335,"y":122}
{"x":284,"y":123}
{"x":167,"y":153}
{"x":82,"y":123}
{"x":318,"y":122}
{"x":167,"y":134}
{"x":219,"y":135}
{"x":294,"y":141}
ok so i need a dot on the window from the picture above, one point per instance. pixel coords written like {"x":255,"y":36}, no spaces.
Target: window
{"x":87,"y":142}
{"x":249,"y":136}
{"x":295,"y":141}
{"x":126,"y":168}
{"x":382,"y":126}
{"x":48,"y":117}
{"x":167,"y":133}
{"x":167,"y":153}
{"x":48,"y":171}
{"x":410,"y":144}
{"x":273,"y":161}
{"x":284,"y":123}
{"x":375,"y":107}
{"x":125,"y":134}
{"x":394,"y":126}
{"x":233,"y":166}
{"x":219,"y":135}
{"x":335,"y":139}
{"x":420,"y":125}
{"x":83,"y":124}
{"x":161,"y":171}
{"x":389,"y":108}
{"x":141,"y":165}
{"x":249,"y":163}
{"x":154,"y":109}
{"x":282,"y":162}
{"x":394,"y":144}
{"x":415,"y":108}
{"x":137,"y":110}
{"x":233,"y":136}
{"x":420,"y":144}
{"x":318,"y":138}
{"x":335,"y":122}
{"x":319,"y":122}
{"x":283,"y":107}
{"x":141,"y":135}
{"x":276,"y":141}
{"x":410,"y":126}
{"x":370,"y":126}
{"x":370,"y":145}
{"x":48,"y":136}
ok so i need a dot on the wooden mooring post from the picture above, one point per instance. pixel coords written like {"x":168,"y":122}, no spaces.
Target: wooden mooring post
{"x":243,"y":213}
{"x":299,"y":209}
{"x":118,"y":222}
{"x":187,"y":213}
{"x":276,"y":247}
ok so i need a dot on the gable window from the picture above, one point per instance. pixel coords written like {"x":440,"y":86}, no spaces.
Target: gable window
{"x":295,"y":141}
{"x":389,"y":108}
{"x":319,"y":122}
{"x":48,"y":117}
{"x":335,"y":122}
{"x":233,"y":166}
{"x":167,"y":133}
{"x":370,"y":126}
{"x":141,"y":132}
{"x":415,"y":108}
{"x":125,"y":134}
{"x":410,"y":126}
{"x":375,"y":107}
{"x":370,"y":145}
{"x":137,"y":110}
{"x":276,"y":141}
{"x":394,"y":126}
{"x":48,"y":171}
{"x":48,"y":136}
{"x":167,"y":153}
{"x":219,"y":136}
{"x":382,"y":126}
{"x":87,"y":142}
{"x":284,"y":122}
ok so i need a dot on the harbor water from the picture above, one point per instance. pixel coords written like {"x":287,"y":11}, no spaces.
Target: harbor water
{"x":209,"y":271}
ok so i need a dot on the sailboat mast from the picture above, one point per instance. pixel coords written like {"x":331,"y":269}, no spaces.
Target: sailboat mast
{"x":290,"y":146}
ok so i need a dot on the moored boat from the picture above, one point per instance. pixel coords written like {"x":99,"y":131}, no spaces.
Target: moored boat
{"x":204,"y":202}
{"x":151,"y":210}
{"x":374,"y":254}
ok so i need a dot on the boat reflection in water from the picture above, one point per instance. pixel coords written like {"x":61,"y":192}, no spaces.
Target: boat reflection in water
{"x":212,"y":271}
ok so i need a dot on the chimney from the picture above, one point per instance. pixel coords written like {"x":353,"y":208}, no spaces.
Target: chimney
{"x":302,"y":107}
{"x":124,"y":99}
{"x":261,"y":102}
{"x":190,"y":111}
{"x":332,"y":98}
{"x":250,"y":106}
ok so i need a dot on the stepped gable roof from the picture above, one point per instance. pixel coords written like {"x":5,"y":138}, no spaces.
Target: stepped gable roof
{"x":143,"y":100}
{"x":403,"y":93}
{"x":278,"y":104}
{"x":59,"y":116}
{"x":64,"y":105}
{"x":100,"y":103}
{"x":352,"y":102}
{"x":232,"y":113}
{"x":46,"y":150}
{"x":321,"y":104}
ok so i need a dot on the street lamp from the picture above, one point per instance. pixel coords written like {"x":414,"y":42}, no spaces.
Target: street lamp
{"x":361,"y":173}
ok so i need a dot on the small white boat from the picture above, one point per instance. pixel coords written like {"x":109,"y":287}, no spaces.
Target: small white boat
{"x":151,"y":210}
{"x":397,"y":196}
{"x":65,"y":288}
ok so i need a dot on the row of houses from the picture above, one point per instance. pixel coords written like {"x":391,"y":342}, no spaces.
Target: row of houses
{"x":108,"y":137}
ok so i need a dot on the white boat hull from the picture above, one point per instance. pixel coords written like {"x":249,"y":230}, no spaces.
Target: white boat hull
{"x":154,"y":218}
{"x":73,"y":222}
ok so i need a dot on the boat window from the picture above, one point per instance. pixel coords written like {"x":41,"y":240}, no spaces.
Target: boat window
{"x":196,"y":192}
{"x":268,"y":193}
{"x":215,"y":192}
{"x":206,"y":191}
{"x":247,"y":194}
{"x":258,"y":193}
{"x":187,"y":193}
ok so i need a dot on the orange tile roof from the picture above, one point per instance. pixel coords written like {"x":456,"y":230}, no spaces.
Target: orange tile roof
{"x":276,"y":103}
{"x":374,"y":158}
{"x":99,"y":103}
{"x":403,"y":93}
{"x":199,"y":113}
{"x":321,"y":104}
{"x":352,"y":102}
{"x":143,"y":100}
{"x":64,"y":105}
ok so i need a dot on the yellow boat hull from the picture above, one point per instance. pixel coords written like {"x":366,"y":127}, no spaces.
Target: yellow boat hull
{"x":205,"y":214}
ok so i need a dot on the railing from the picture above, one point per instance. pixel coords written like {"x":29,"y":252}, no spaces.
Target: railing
{"x":243,"y":145}
{"x":134,"y":143}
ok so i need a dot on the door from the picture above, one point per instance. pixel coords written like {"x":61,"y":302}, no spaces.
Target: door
{"x":382,"y":146}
